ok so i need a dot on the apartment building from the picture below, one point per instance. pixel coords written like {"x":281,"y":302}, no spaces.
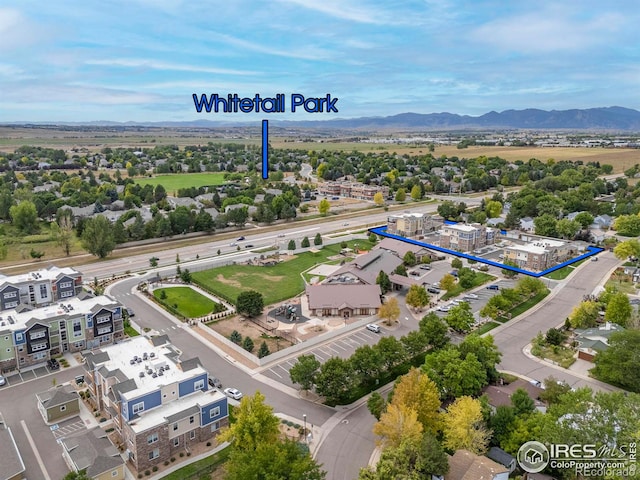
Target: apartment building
{"x":538,"y":255}
{"x":160,"y":405}
{"x":39,"y":288}
{"x":412,"y":225}
{"x":29,"y":336}
{"x":352,"y":190}
{"x":466,"y":238}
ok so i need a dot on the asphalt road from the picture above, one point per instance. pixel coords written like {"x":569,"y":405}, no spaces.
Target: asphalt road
{"x":512,"y":337}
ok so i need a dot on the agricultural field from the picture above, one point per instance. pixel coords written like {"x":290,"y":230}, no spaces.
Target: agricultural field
{"x":175,"y":181}
{"x":276,"y":283}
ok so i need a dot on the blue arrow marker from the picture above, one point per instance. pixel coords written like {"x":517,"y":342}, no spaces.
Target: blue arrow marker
{"x":265,"y":149}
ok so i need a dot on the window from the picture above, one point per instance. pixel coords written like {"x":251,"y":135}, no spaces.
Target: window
{"x":66,"y":294}
{"x":199,"y":385}
{"x":191,"y":419}
{"x":176,"y":441}
{"x":137,"y":407}
{"x":39,"y":356}
{"x":192,"y":434}
{"x":77,"y":327}
{"x":6,"y":338}
{"x":103,"y":318}
{"x":175,"y":426}
{"x":38,"y":334}
{"x":63,"y":408}
{"x":214,"y":412}
{"x":114,"y":473}
{"x":21,"y":349}
{"x":153,"y":438}
{"x":78,"y":344}
{"x":11,"y":304}
{"x":103,"y":330}
{"x":11,"y":295}
{"x":154,"y":454}
{"x":43,"y":290}
{"x":39,"y":346}
{"x":65,"y":285}
{"x":8,"y":349}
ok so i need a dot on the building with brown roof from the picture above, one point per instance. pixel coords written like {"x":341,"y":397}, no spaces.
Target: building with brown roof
{"x":331,"y":300}
{"x":464,"y":465}
{"x":500,"y":395}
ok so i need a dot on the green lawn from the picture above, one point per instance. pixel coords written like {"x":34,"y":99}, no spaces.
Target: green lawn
{"x":563,"y":272}
{"x":174,"y":181}
{"x":276,"y":283}
{"x":486,"y":327}
{"x":524,"y":306}
{"x":480,"y":279}
{"x":201,"y":468}
{"x":186,"y":301}
{"x":563,"y":356}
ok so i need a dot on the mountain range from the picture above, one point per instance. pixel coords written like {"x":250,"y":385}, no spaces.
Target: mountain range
{"x":604,"y":118}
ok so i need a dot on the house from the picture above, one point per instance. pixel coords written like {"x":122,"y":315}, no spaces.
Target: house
{"x":400,"y":248}
{"x":366,"y":268}
{"x":251,"y":209}
{"x":11,"y":464}
{"x":29,"y":336}
{"x":503,"y":458}
{"x":160,"y":404}
{"x":40,"y":287}
{"x":500,"y":395}
{"x":58,"y":403}
{"x":464,"y":465}
{"x":335,"y":300}
{"x":603,"y":222}
{"x":466,"y":238}
{"x":526,"y":224}
{"x":93,"y":452}
{"x":594,"y":340}
{"x":539,"y":255}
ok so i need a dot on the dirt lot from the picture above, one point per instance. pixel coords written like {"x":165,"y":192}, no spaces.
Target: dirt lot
{"x":250,"y":329}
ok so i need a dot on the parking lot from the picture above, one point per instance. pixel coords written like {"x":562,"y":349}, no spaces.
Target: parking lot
{"x":343,"y":348}
{"x":15,"y":378}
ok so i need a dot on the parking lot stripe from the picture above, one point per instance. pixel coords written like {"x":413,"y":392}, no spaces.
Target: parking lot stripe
{"x":318,"y":356}
{"x":285,"y":370}
{"x":275,"y":373}
{"x":335,"y":344}
{"x":35,"y":450}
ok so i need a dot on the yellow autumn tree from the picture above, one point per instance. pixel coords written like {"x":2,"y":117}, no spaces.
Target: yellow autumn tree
{"x":397,"y":424}
{"x":464,"y":426}
{"x":418,"y":392}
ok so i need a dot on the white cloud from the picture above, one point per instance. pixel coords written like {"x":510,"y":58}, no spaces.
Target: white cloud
{"x":343,"y":10}
{"x":308,"y":53}
{"x":155,"y":65}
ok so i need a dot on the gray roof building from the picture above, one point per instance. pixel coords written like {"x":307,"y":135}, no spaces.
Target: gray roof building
{"x":93,"y":451}
{"x":11,"y":464}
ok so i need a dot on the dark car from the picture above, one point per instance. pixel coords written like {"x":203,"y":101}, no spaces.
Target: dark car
{"x":248,"y":246}
{"x":53,"y":364}
{"x":214,"y":382}
{"x":130,"y":312}
{"x":240,"y":239}
{"x":493,"y":287}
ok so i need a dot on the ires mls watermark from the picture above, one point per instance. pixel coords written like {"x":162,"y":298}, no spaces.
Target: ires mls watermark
{"x":588,"y":460}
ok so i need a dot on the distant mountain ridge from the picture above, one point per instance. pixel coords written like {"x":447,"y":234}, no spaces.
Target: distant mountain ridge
{"x":603,"y":118}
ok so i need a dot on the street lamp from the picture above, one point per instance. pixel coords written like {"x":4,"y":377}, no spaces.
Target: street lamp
{"x":304,"y":417}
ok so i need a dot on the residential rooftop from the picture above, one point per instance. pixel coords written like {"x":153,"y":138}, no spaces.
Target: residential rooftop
{"x":539,"y":247}
{"x":126,"y":361}
{"x":50,"y":273}
{"x":170,"y":411}
{"x":17,"y":319}
{"x":11,"y":464}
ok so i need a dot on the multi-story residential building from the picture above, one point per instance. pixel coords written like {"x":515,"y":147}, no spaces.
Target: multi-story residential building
{"x":352,"y":190}
{"x":29,"y":336}
{"x":465,"y":238}
{"x":412,"y":225}
{"x":160,"y":405}
{"x":39,"y":288}
{"x":538,"y":255}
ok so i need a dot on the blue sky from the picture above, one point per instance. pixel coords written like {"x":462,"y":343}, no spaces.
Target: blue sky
{"x":141,"y":60}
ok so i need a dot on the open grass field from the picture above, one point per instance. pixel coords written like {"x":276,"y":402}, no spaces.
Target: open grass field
{"x":175,"y":181}
{"x":276,"y":283}
{"x":186,"y":301}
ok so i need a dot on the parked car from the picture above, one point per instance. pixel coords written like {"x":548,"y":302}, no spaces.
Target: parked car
{"x":130,"y":312}
{"x":373,"y":328}
{"x":443,"y":308}
{"x":414,"y":273}
{"x":214,"y":382}
{"x":433,"y":290}
{"x":425,"y":267}
{"x":454,"y":273}
{"x":493,"y":287}
{"x":53,"y":364}
{"x":594,"y":259}
{"x":471,"y":296}
{"x":3,"y":381}
{"x":233,"y":393}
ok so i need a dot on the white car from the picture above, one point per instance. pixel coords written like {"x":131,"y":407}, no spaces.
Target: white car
{"x":471,"y":296}
{"x":233,"y":393}
{"x":373,"y":328}
{"x":3,"y":380}
{"x":443,"y":308}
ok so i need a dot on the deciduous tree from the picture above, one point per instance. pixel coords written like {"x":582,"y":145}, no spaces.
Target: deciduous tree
{"x":618,"y":309}
{"x":323,"y":207}
{"x":584,"y":315}
{"x":460,"y":317}
{"x":250,"y":303}
{"x":401,"y":195}
{"x":389,"y":311}
{"x":435,"y":331}
{"x":418,"y":392}
{"x":97,"y":236}
{"x":25,"y":217}
{"x":627,"y":249}
{"x":448,"y":282}
{"x":616,"y":364}
{"x":398,"y":423}
{"x":304,"y":371}
{"x":417,"y":296}
{"x":464,"y":427}
{"x":378,"y":199}
{"x":62,"y":233}
{"x":416,"y":193}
